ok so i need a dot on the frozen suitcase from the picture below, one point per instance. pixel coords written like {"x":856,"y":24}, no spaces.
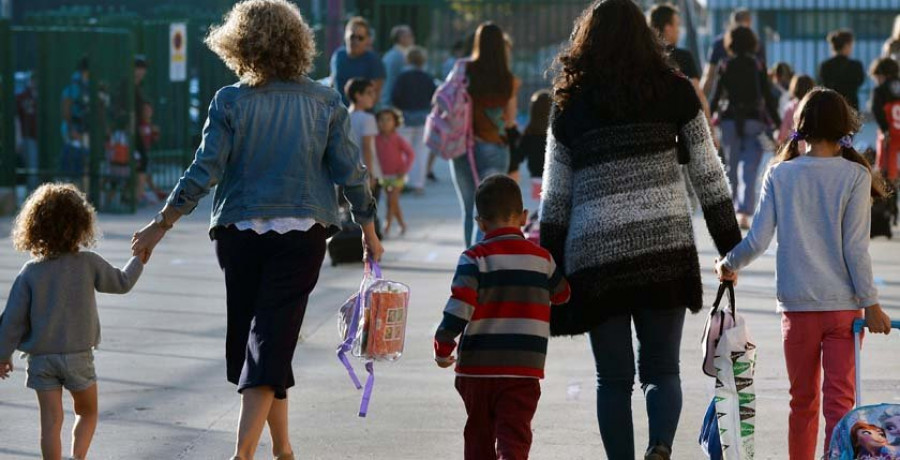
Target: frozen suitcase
{"x":867,"y":432}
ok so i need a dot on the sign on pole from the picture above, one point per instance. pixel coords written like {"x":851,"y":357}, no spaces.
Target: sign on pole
{"x":178,"y":51}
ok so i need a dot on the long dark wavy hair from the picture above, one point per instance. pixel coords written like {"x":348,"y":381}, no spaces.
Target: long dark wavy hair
{"x":614,"y":59}
{"x":824,"y":115}
{"x":489,"y":71}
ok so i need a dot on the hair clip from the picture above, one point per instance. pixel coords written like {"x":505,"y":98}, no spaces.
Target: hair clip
{"x":846,"y":142}
{"x":795,"y":136}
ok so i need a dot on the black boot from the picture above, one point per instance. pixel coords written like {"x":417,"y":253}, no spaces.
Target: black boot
{"x":659,"y":452}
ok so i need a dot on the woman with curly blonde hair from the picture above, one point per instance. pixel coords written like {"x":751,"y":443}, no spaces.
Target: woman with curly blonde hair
{"x":275,"y":145}
{"x":51,"y":313}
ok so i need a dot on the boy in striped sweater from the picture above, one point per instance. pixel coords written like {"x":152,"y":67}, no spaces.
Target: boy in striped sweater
{"x":500,"y":303}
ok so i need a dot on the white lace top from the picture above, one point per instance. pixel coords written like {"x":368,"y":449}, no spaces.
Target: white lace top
{"x":280,"y":225}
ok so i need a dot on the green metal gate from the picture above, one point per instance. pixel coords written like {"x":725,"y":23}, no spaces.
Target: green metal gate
{"x":7,"y":111}
{"x":52,"y":44}
{"x":55,"y":53}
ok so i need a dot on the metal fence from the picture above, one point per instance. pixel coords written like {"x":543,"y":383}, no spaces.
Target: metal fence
{"x":795,"y":32}
{"x":54,"y":54}
{"x":52,"y":44}
{"x":537,"y":28}
{"x":7,"y":111}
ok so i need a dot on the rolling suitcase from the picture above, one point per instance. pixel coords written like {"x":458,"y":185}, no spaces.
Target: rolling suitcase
{"x":867,"y":432}
{"x":346,"y":246}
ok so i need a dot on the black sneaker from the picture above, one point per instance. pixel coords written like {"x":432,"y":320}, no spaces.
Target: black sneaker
{"x":432,"y":177}
{"x":658,"y":453}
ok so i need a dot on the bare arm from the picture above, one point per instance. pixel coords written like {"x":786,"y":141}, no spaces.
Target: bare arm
{"x":512,"y":107}
{"x":703,"y":102}
{"x":368,"y":154}
{"x":709,"y":77}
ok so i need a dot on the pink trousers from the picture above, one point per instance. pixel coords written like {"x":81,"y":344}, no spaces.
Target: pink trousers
{"x":814,"y":341}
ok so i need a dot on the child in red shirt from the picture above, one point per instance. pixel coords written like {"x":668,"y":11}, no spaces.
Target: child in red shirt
{"x":395,"y":156}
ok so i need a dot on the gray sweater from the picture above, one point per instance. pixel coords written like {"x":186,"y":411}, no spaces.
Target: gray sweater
{"x":822,"y":210}
{"x":52,"y":307}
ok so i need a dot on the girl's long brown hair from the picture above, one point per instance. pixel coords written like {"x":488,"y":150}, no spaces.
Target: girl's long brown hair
{"x":824,"y":115}
{"x":539,"y":113}
{"x":489,"y":72}
{"x":614,"y":59}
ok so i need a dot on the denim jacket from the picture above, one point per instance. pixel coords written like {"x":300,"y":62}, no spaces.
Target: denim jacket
{"x":276,"y":150}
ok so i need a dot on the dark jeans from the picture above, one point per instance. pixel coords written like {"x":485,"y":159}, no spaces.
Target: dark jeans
{"x":659,"y":338}
{"x":500,"y":412}
{"x":268,"y":279}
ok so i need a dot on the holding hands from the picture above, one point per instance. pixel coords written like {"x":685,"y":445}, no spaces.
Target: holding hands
{"x":145,"y":240}
{"x":724,"y":273}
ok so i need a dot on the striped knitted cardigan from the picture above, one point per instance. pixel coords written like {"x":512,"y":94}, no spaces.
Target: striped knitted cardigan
{"x":500,"y":303}
{"x":615,"y":212}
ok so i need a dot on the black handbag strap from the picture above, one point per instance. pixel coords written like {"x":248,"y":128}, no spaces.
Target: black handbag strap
{"x":725,"y":286}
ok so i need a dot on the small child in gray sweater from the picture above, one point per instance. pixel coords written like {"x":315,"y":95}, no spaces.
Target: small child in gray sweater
{"x":51,"y":313}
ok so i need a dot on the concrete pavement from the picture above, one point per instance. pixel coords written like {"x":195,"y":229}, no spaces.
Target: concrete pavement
{"x":161,"y":364}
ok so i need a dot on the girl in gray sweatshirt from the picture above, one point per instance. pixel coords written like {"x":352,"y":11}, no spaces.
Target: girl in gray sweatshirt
{"x":819,"y":204}
{"x":51,"y":312}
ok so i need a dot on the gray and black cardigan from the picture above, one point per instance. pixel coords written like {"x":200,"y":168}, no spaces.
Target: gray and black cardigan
{"x":615,"y":211}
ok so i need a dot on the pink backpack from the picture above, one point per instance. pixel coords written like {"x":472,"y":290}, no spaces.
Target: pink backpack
{"x":448,"y":128}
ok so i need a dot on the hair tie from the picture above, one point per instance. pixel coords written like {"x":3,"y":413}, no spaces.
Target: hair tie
{"x":796,"y":137}
{"x":846,"y":142}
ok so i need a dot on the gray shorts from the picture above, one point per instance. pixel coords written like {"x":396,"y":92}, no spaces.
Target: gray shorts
{"x":75,"y":371}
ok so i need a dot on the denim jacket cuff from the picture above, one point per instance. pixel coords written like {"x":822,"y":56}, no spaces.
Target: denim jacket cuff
{"x":365,"y":216}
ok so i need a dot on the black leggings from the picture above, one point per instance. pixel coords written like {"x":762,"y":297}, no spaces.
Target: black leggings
{"x":268,"y":279}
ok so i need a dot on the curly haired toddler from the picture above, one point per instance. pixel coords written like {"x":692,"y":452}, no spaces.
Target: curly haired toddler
{"x":51,"y":314}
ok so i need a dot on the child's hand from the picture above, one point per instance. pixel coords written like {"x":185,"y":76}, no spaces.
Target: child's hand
{"x":444,"y":363}
{"x":6,"y":367}
{"x":877,"y":320}
{"x":724,"y":273}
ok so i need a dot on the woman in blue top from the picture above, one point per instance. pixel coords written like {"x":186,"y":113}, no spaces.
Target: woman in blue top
{"x":275,"y":145}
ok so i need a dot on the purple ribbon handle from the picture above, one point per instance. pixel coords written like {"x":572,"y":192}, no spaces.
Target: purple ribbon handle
{"x":367,"y":392}
{"x":347,"y":344}
{"x":371,"y":269}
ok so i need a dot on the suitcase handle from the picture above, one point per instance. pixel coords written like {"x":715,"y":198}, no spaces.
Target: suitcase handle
{"x":858,"y":325}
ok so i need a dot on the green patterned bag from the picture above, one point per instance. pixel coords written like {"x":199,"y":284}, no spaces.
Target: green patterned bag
{"x":735,"y":395}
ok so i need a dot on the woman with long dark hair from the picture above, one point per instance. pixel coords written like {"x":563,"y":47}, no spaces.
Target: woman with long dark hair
{"x":615,"y":213}
{"x":492,"y":88}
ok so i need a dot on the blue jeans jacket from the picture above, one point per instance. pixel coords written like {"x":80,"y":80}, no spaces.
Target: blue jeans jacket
{"x":276,"y":150}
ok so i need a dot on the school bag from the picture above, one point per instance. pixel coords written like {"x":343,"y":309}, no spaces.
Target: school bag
{"x":372,"y":326}
{"x":880,"y":422}
{"x":448,"y":128}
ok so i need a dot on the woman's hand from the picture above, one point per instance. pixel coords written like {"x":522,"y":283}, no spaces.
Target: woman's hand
{"x":371,"y":244}
{"x":877,"y":320}
{"x":145,"y":240}
{"x":724,"y":273}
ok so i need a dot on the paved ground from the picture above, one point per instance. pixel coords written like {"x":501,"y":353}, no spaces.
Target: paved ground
{"x":161,"y":365}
